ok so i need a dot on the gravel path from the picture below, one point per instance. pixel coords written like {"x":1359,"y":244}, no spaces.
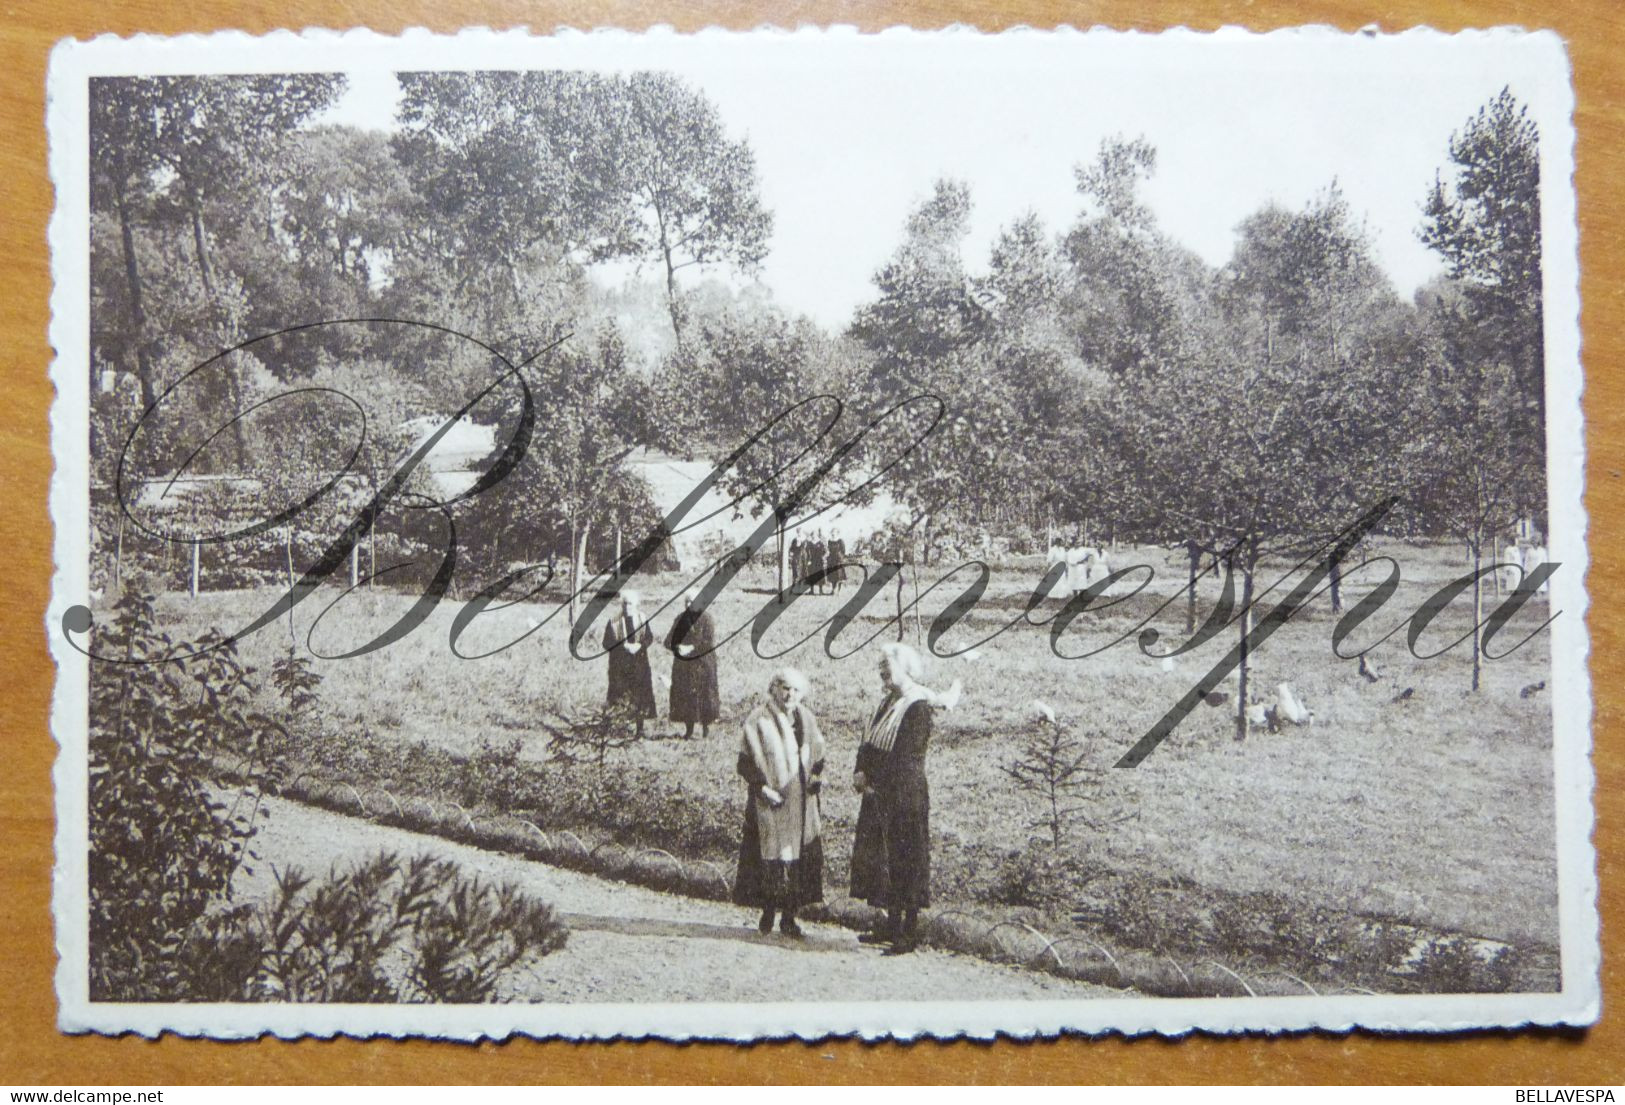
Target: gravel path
{"x":628,"y":943}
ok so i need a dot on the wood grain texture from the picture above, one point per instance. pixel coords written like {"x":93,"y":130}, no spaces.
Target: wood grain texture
{"x":32,"y":1051}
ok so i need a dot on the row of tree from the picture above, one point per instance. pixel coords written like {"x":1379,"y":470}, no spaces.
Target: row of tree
{"x":1100,"y":376}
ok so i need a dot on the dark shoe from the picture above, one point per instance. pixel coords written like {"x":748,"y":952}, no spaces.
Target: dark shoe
{"x":903,"y":946}
{"x":765,"y":925}
{"x":790,"y":928}
{"x":879,"y":936}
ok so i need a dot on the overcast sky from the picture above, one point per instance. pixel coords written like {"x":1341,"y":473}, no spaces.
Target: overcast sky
{"x":849,"y":133}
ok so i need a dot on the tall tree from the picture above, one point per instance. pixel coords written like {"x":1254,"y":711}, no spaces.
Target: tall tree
{"x":1058,"y":468}
{"x":1485,"y":372}
{"x":925,"y":334}
{"x":1255,"y":448}
{"x":742,"y":370}
{"x":574,"y":480}
{"x":163,"y":150}
{"x":1136,"y":299}
{"x":124,"y":158}
{"x":688,"y":195}
{"x":1485,"y":223}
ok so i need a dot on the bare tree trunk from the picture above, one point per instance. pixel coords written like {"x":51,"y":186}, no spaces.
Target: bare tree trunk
{"x":575,"y":575}
{"x":287,"y":552}
{"x":1246,"y":623}
{"x":196,"y":556}
{"x":1478,"y":610}
{"x":781,"y":557}
{"x":202,"y":252}
{"x":899,"y":605}
{"x":580,"y":567}
{"x":118,"y":553}
{"x":617,"y":550}
{"x":233,"y":387}
{"x":1337,"y":586}
{"x":919,"y":628}
{"x":138,"y":313}
{"x":355,"y":564}
{"x":673,"y":303}
{"x":1195,"y":554}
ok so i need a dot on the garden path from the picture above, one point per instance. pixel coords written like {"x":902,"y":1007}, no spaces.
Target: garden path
{"x":632,"y":944}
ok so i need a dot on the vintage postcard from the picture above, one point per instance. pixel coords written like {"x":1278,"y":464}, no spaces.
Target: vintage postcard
{"x":796,"y":534}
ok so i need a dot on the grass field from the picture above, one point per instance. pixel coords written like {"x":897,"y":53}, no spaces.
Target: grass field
{"x":1437,"y":809}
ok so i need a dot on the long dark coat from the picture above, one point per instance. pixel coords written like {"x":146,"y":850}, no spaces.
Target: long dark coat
{"x":837,"y":560}
{"x":694,"y":696}
{"x":891,"y":847}
{"x":631,"y":680}
{"x":814,"y":551}
{"x":771,"y":883}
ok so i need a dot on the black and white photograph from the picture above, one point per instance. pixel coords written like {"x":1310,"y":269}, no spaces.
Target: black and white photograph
{"x":762,"y":534}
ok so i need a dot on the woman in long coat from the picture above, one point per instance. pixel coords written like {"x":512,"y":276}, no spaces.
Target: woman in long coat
{"x":797,"y":563}
{"x":627,"y":639}
{"x":836,"y":561}
{"x":814,"y":551}
{"x":781,"y":852}
{"x":694,"y":698}
{"x":891,"y":848}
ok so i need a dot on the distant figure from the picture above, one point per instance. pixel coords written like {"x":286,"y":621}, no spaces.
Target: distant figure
{"x":1513,"y":572}
{"x":836,"y":561}
{"x":1536,"y":557}
{"x":631,"y":681}
{"x":798,"y":563}
{"x":891,"y":847}
{"x":781,"y":758}
{"x":817,"y":555}
{"x":694,"y":697}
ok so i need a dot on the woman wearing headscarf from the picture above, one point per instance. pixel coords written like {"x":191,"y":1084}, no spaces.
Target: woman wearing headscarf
{"x":627,"y":638}
{"x":694,"y":697}
{"x":891,"y":848}
{"x":781,"y":757}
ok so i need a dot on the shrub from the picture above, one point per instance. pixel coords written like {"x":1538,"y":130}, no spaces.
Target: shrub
{"x":1453,"y":965}
{"x":386,"y":930}
{"x":493,"y":776}
{"x":1039,"y":877}
{"x":163,"y":845}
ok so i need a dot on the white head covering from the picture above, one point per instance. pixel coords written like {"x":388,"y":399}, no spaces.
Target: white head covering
{"x":907,"y":668}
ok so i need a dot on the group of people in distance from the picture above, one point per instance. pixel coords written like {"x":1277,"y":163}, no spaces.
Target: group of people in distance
{"x":782,"y":758}
{"x":819,"y":562}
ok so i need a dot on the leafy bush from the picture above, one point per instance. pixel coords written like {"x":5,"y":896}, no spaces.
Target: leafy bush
{"x":1039,"y":877}
{"x":163,"y":844}
{"x":1451,"y":965}
{"x":493,"y":776}
{"x":386,"y":930}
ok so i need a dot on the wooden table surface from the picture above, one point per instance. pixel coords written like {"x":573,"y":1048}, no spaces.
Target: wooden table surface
{"x":31,"y":1050}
